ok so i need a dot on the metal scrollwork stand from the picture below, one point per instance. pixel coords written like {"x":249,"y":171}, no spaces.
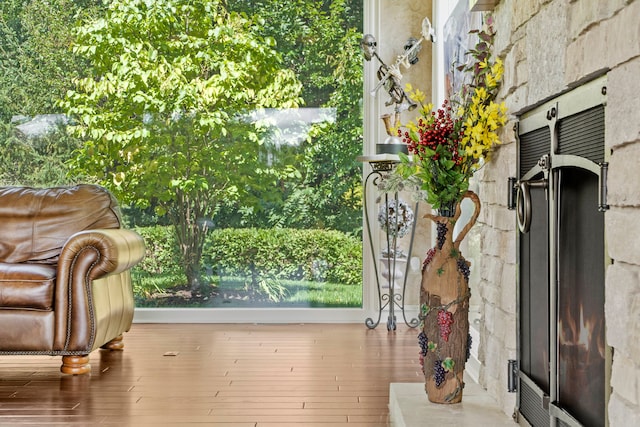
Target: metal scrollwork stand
{"x":382,"y":165}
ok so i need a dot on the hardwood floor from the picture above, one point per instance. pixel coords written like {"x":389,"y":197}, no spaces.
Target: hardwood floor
{"x":234,"y":375}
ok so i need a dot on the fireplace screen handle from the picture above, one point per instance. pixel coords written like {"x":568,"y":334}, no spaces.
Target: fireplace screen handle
{"x":523,"y":202}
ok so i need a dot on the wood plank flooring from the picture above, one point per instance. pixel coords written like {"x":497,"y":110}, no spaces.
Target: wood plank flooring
{"x":224,"y":375}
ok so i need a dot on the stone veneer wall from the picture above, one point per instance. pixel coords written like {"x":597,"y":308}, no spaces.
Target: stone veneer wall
{"x":548,"y":47}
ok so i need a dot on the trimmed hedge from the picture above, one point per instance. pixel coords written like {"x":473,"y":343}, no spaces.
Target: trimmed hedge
{"x":315,"y":255}
{"x":318,"y":255}
{"x":161,"y":255}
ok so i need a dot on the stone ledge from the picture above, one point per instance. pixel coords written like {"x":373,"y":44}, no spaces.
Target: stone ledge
{"x":409,"y":407}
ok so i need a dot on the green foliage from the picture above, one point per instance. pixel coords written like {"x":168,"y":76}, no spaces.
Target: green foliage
{"x":275,"y":254}
{"x":332,"y":173}
{"x":36,"y":63}
{"x":162,"y":255}
{"x":162,"y":91}
{"x":163,"y":109}
{"x":322,"y":255}
{"x":303,"y":187}
{"x":272,"y":288}
{"x":309,"y":34}
{"x":35,"y":162}
{"x":320,"y":42}
{"x":36,"y":69}
{"x":169,"y":83}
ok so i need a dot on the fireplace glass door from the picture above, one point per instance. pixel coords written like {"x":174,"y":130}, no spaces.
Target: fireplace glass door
{"x":562,"y":355}
{"x":581,"y":345}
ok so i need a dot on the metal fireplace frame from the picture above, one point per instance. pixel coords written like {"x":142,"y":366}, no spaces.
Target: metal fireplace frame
{"x":545,"y":162}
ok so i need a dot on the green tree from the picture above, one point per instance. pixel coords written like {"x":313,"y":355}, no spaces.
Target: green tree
{"x":308,"y":34}
{"x":331,"y":170}
{"x":37,"y":66}
{"x":319,"y":40}
{"x":35,"y":161}
{"x":164,"y":108}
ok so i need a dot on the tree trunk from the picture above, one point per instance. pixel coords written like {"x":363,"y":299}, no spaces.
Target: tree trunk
{"x":191,"y":229}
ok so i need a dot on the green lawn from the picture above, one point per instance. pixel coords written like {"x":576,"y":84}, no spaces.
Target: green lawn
{"x":162,"y":291}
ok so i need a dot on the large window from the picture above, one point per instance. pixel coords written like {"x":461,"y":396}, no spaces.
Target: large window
{"x":229,"y":131}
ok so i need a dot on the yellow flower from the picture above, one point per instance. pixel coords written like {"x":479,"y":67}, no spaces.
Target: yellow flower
{"x":491,"y":80}
{"x":468,"y":123}
{"x":479,"y":95}
{"x":418,"y":96}
{"x":426,"y":110}
{"x":475,"y":151}
{"x":497,"y":69}
{"x":415,"y":95}
{"x":491,"y":118}
{"x":476,"y":132}
{"x":491,"y":122}
{"x":474,"y":110}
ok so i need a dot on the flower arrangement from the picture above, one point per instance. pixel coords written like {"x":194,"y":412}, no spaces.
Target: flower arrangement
{"x":449,"y":144}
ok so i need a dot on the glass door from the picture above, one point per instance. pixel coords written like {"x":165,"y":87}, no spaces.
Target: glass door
{"x":282,"y":235}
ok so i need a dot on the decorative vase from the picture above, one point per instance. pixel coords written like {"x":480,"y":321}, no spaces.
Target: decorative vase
{"x":393,"y":271}
{"x":444,"y":305}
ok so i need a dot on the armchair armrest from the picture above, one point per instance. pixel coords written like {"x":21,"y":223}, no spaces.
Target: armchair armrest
{"x":85,"y":257}
{"x":107,"y":251}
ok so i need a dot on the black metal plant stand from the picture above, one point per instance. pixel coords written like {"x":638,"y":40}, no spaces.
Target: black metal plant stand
{"x":382,"y":165}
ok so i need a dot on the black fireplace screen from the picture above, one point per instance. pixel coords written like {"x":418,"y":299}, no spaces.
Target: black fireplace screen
{"x":534,"y":294}
{"x":562,"y":352}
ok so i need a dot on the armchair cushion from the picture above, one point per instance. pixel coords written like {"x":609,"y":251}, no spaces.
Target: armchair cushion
{"x":27,"y":286}
{"x":36,"y":222}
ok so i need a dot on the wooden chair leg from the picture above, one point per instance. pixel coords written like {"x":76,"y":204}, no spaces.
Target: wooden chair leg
{"x":114,"y":344}
{"x":75,"y":365}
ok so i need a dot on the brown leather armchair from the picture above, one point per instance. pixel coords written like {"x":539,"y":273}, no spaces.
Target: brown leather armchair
{"x":65,"y":283}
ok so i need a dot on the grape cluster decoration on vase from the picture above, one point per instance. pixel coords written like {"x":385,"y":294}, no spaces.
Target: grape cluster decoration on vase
{"x":446,"y":147}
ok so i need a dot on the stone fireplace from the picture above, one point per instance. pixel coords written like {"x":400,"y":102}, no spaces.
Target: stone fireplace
{"x":549,"y":48}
